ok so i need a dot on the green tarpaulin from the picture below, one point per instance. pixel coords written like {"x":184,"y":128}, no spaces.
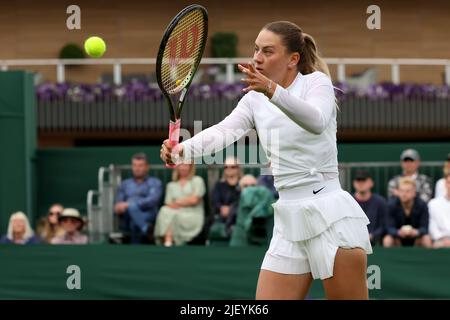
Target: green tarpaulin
{"x":193,"y":272}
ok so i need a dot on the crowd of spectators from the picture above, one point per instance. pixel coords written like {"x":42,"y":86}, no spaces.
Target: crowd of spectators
{"x":414,"y":213}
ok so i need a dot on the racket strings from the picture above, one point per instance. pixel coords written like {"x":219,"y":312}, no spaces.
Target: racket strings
{"x":183,"y":51}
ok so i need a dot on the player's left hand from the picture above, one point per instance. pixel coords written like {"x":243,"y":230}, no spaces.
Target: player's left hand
{"x":257,"y":81}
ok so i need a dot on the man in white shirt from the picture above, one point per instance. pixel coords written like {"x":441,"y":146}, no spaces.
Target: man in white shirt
{"x":439,"y":209}
{"x":440,"y":189}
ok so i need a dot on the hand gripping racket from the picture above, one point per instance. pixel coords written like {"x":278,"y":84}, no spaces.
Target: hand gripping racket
{"x":179,"y":55}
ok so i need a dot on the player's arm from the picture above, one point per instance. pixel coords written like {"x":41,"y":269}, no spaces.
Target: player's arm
{"x":213,"y":139}
{"x":313,"y":113}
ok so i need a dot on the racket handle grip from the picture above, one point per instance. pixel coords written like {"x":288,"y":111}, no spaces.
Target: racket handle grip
{"x":174,"y":136}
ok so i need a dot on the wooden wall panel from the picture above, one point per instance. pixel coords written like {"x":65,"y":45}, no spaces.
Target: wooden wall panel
{"x":132,"y":28}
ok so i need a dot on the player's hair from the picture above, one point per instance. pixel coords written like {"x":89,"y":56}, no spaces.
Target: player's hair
{"x":407,"y":180}
{"x":295,"y":40}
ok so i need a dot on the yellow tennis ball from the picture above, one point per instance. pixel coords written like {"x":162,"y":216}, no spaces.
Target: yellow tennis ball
{"x":178,"y":82}
{"x":95,"y":47}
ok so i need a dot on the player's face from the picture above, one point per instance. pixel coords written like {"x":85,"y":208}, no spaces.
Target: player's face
{"x":139,"y":168}
{"x":271,"y":57}
{"x":406,"y":192}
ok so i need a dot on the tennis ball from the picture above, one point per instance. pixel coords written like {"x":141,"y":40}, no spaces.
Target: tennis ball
{"x":178,"y":82}
{"x":95,"y":47}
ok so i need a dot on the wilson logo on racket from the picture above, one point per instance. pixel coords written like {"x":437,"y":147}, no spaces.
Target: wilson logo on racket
{"x":189,"y":43}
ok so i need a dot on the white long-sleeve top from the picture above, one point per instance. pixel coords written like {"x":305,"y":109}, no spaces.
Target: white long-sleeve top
{"x":296,"y":128}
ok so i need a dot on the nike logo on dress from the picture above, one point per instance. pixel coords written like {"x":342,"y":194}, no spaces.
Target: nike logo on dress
{"x":314,"y":191}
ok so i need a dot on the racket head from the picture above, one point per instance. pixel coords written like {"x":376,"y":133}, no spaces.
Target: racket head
{"x":180,"y":53}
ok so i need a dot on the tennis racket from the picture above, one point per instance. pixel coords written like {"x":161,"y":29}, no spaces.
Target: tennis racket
{"x":179,"y":55}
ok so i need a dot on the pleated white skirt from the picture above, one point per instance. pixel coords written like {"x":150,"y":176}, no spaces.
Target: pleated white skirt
{"x":310,"y":226}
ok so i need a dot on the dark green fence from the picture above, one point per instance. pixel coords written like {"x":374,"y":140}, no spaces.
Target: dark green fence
{"x":149,"y":272}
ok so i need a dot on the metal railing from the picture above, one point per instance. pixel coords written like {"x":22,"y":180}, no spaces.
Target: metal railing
{"x":381,"y":172}
{"x":102,"y":221}
{"x":230,"y":63}
{"x":358,"y":113}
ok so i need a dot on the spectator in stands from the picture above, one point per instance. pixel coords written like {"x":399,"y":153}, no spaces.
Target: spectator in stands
{"x":373,"y":205}
{"x":254,"y":215}
{"x":19,"y":230}
{"x":225,"y":198}
{"x":247,"y":181}
{"x":48,"y":227}
{"x":181,"y":219}
{"x":138,"y":200}
{"x":72,"y":224}
{"x":440,"y":189}
{"x":266,"y":179}
{"x":407,"y":219}
{"x":410,"y":162}
{"x":439,"y":209}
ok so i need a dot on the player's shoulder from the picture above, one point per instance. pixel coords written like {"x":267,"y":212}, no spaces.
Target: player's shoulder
{"x":318,"y":78}
{"x":250,"y":99}
{"x":251,"y":95}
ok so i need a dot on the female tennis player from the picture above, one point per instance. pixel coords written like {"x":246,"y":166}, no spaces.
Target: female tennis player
{"x":320,"y":231}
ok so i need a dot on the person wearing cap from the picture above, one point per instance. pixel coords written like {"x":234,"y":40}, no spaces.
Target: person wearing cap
{"x":138,"y":200}
{"x":373,"y":205}
{"x":407,"y":219}
{"x":19,"y":230}
{"x":72,"y":223}
{"x":410,"y":163}
{"x":439,"y":209}
{"x":440,"y":189}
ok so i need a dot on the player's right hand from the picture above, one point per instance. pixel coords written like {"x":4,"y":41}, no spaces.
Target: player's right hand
{"x":169,"y":154}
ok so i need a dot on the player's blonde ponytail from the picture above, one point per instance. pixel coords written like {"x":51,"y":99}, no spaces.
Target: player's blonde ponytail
{"x":310,"y":59}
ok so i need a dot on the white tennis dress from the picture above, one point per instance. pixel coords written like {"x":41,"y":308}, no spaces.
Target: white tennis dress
{"x":297,"y":130}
